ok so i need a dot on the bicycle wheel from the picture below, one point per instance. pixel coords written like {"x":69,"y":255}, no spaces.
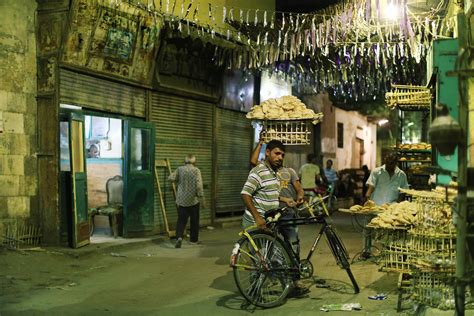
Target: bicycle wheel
{"x":341,"y":255}
{"x":262,"y":276}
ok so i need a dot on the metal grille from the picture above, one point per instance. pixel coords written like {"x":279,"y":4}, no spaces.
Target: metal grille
{"x":183,"y":126}
{"x":100,"y":94}
{"x":234,"y":143}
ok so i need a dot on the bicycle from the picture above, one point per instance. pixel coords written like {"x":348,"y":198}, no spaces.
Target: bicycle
{"x":265,"y":265}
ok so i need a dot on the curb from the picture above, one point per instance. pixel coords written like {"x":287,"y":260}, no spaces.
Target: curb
{"x":107,"y":247}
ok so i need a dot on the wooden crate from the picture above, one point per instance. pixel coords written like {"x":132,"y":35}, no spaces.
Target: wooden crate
{"x":289,"y":132}
{"x":396,"y":250}
{"x":409,"y":97}
{"x":433,"y":251}
{"x":16,"y":233}
{"x":434,"y":289}
{"x":434,"y":217}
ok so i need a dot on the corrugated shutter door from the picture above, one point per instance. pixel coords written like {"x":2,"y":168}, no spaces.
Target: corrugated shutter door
{"x":234,"y":143}
{"x":183,"y":126}
{"x":99,"y":94}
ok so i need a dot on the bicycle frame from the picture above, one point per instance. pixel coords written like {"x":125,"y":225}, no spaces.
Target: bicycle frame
{"x":314,"y":219}
{"x":287,"y":270}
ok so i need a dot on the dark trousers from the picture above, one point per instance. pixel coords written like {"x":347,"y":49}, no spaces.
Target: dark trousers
{"x":183,"y":213}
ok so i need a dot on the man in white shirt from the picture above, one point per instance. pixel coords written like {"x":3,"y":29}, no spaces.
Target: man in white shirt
{"x":383,"y":185}
{"x":384,"y":181}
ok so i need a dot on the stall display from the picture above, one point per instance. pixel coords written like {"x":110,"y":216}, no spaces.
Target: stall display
{"x":412,"y":157}
{"x":419,"y":242}
{"x":285,"y":119}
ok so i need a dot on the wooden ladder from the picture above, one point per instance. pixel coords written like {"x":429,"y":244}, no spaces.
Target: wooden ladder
{"x":164,"y":163}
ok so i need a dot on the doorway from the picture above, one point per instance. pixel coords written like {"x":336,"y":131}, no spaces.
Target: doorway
{"x":106,"y":178}
{"x":104,"y":161}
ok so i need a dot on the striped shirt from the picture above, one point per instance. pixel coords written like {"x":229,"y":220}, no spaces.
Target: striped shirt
{"x":264,"y":188}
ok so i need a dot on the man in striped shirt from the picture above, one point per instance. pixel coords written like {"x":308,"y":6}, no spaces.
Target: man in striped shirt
{"x":262,"y":189}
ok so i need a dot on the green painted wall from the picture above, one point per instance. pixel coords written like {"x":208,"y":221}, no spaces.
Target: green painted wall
{"x":445,"y":54}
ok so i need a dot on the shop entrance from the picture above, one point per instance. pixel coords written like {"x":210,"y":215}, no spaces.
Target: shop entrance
{"x":104,"y":162}
{"x":117,"y":189}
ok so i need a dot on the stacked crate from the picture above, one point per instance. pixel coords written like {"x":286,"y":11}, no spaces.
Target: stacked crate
{"x":394,"y":257}
{"x":433,"y":255}
{"x":395,"y":251}
{"x":425,"y":253}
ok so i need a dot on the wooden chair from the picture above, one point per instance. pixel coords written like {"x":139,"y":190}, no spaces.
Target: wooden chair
{"x":114,"y":207}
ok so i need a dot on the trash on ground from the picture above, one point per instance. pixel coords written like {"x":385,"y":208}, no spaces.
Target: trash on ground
{"x":114,"y":254}
{"x":341,"y":307}
{"x":378,"y":297}
{"x":210,"y":227}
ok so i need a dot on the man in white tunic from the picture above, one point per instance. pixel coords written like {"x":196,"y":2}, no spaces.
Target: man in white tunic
{"x":383,"y":187}
{"x":384,"y":181}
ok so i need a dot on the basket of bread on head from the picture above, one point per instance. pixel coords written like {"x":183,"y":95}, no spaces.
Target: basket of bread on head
{"x":286,"y":119}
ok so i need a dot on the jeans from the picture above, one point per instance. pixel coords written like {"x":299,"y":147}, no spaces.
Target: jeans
{"x":183,"y":213}
{"x":289,"y":233}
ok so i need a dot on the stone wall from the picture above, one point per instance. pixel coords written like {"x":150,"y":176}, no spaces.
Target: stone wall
{"x":18,"y":166}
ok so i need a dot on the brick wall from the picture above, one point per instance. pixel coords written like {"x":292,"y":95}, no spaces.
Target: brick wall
{"x":18,"y":167}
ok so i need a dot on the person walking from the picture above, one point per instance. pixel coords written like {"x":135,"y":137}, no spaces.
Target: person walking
{"x":188,"y":195}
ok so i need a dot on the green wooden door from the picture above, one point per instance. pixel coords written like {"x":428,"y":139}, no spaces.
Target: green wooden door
{"x":80,"y":223}
{"x":139,"y":142}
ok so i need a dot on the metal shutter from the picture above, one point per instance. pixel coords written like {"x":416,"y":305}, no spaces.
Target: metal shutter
{"x":183,"y":126}
{"x":234,"y":144}
{"x":100,"y":94}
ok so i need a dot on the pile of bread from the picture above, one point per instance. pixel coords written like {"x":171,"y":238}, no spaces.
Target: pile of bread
{"x":396,"y":215}
{"x":284,"y":108}
{"x":436,"y":216}
{"x":369,"y":207}
{"x":439,"y":193}
{"x":418,"y":146}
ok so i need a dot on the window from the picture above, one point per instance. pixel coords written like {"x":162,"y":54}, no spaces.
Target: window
{"x":340,"y":135}
{"x":140,"y":140}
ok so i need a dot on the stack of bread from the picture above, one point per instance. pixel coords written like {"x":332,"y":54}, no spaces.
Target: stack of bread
{"x":284,"y":108}
{"x":369,"y":207}
{"x":396,"y":215}
{"x":418,"y":146}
